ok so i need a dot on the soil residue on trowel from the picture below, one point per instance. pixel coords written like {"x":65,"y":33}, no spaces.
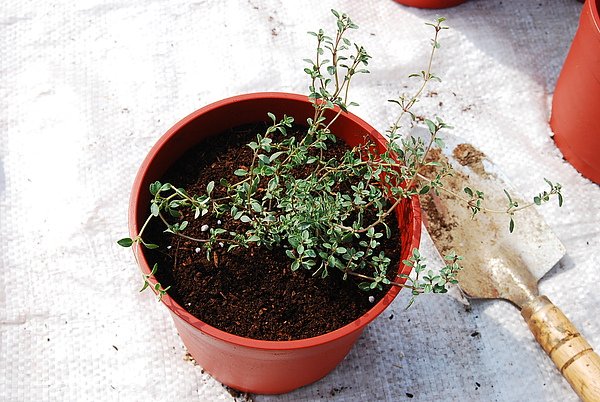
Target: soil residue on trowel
{"x":438,"y":220}
{"x":468,"y":155}
{"x":491,"y":258}
{"x":441,"y":222}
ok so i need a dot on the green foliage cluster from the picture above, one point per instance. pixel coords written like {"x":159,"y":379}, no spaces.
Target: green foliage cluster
{"x":318,"y":218}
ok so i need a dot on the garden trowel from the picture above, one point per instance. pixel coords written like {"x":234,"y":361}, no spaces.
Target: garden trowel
{"x":505,"y":265}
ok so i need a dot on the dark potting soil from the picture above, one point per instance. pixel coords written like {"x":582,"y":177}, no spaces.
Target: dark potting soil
{"x":251,"y":292}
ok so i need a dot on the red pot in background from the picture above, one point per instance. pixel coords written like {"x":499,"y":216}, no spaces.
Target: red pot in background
{"x":431,"y":3}
{"x":257,"y":366}
{"x":576,"y":101}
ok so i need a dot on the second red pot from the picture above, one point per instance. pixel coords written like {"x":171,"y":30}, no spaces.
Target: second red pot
{"x":431,"y":3}
{"x":576,"y":100}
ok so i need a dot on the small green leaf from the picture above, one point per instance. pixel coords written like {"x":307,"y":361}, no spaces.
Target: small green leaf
{"x":294,"y":241}
{"x":155,"y":187}
{"x":388,"y":231}
{"x":511,"y":225}
{"x":154,"y":209}
{"x":209,"y":187}
{"x":256,"y":207}
{"x":275,"y":156}
{"x":431,"y":126}
{"x":240,"y":172}
{"x":264,"y":159}
{"x":364,"y":286}
{"x":125,"y":242}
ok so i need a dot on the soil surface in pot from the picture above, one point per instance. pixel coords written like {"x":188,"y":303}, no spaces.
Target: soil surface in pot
{"x":252,"y":292}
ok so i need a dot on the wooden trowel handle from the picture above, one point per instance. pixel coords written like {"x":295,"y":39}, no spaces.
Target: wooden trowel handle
{"x":571,"y":353}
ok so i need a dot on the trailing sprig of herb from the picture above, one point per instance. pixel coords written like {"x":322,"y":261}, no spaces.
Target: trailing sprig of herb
{"x":157,"y":287}
{"x":318,"y":218}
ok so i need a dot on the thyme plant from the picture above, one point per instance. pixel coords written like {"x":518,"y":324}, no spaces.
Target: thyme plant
{"x":321,"y":223}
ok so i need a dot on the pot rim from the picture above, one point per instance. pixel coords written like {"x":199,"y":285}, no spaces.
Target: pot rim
{"x":594,"y":5}
{"x":241,"y":341}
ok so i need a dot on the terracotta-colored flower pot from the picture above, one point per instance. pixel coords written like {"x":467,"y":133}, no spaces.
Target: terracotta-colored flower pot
{"x":576,"y":100}
{"x":257,"y":366}
{"x":431,"y":3}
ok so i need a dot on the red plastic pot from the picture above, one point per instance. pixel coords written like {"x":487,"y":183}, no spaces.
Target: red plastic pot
{"x":576,"y":100}
{"x":257,"y":366}
{"x":431,"y":3}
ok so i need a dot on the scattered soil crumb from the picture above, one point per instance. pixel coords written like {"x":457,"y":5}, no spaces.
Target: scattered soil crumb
{"x":475,"y":334}
{"x":335,"y":391}
{"x":238,"y":395}
{"x":188,"y":358}
{"x":233,"y":392}
{"x":408,"y":394}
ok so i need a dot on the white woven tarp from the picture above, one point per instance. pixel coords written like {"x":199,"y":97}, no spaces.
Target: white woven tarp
{"x":87,"y":87}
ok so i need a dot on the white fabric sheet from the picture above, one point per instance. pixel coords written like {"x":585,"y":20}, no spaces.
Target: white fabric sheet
{"x":87,"y":87}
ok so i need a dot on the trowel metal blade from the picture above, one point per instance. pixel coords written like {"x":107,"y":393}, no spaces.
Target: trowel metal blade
{"x":498,"y":264}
